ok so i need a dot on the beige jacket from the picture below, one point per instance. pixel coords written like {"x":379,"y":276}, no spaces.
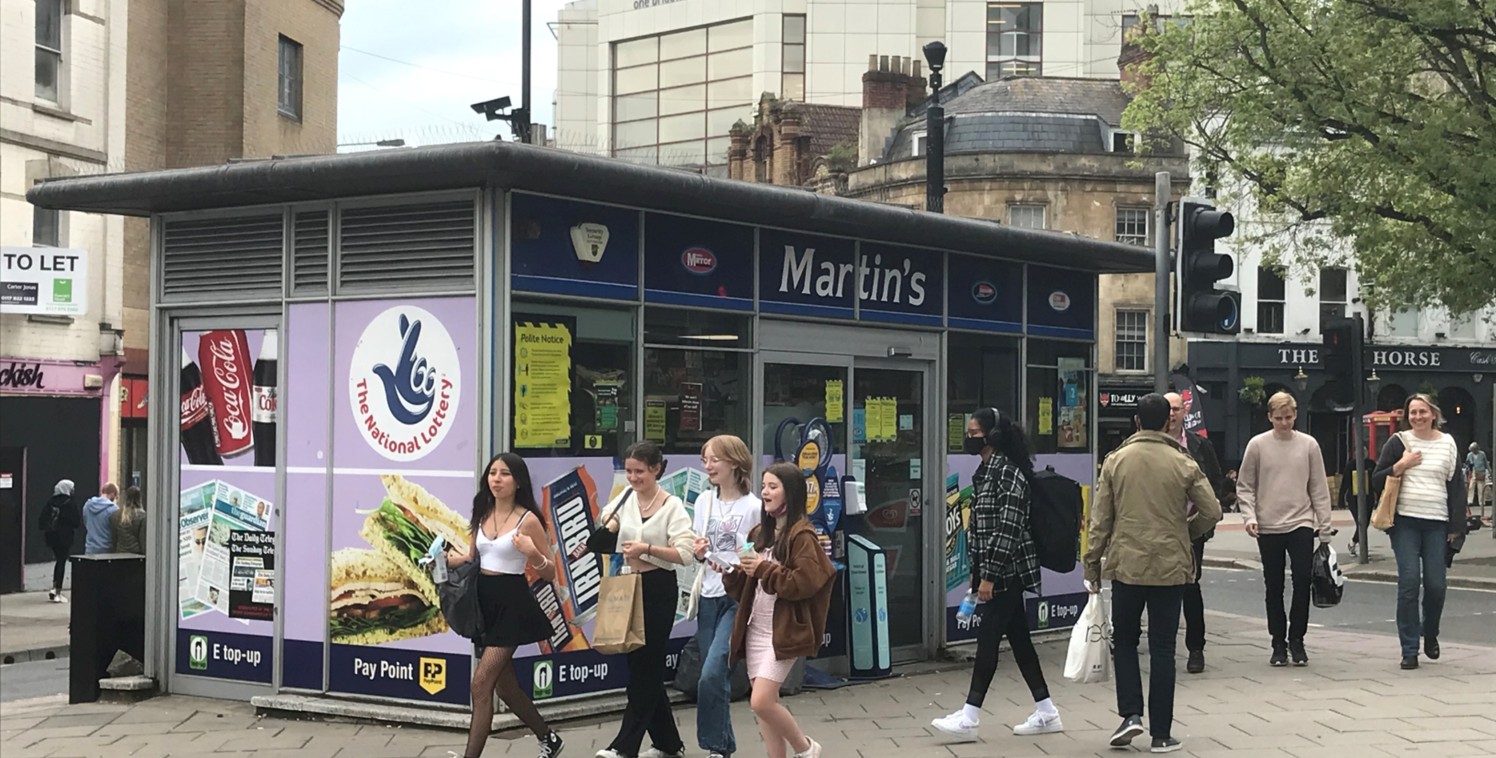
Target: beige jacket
{"x":1141,"y":529}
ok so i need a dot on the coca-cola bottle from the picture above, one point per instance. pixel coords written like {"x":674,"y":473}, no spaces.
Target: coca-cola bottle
{"x":199,"y":435}
{"x":262,"y":407}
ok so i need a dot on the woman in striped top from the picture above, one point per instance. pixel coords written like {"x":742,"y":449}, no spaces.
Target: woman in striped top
{"x":1430,"y":514}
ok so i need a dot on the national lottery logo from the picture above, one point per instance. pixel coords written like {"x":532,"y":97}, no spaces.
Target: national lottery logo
{"x":404,"y":383}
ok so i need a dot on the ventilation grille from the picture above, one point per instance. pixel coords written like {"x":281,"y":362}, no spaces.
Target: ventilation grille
{"x":310,"y":255}
{"x":223,"y":258}
{"x":430,"y":246}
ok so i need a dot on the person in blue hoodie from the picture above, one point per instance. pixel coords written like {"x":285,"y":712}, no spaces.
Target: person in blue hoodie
{"x":98,"y":534}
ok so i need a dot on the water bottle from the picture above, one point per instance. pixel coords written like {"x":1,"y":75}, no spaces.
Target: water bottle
{"x":438,"y":560}
{"x":968,"y":607}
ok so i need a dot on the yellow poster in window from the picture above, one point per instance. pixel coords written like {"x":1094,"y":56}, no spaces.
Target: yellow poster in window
{"x":834,"y":401}
{"x":872,"y":419}
{"x":890,"y":418}
{"x":955,"y":432}
{"x":654,"y":419}
{"x":1046,"y":415}
{"x":542,"y":385}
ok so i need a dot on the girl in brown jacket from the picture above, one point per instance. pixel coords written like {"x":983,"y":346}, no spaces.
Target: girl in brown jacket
{"x":783,"y":592}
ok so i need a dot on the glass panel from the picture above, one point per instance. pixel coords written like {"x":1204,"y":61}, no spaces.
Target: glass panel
{"x":794,"y":30}
{"x":630,"y":80}
{"x":705,"y":393}
{"x":633,"y":107}
{"x":794,"y":87}
{"x":596,"y":391}
{"x":685,"y":71}
{"x":635,"y":133}
{"x":692,"y":328}
{"x":49,"y":24}
{"x":729,"y":92}
{"x":889,"y":461}
{"x":716,"y":149}
{"x":1462,"y":328}
{"x":683,"y":153}
{"x":1269,"y":318}
{"x":683,"y":44}
{"x":46,"y":227}
{"x":997,"y":71}
{"x":794,"y":395}
{"x":1057,"y":373}
{"x":1269,"y":284}
{"x":48,"y":64}
{"x":1026,"y":216}
{"x":720,"y":121}
{"x":794,"y":59}
{"x":1402,"y":323}
{"x":982,"y":373}
{"x":644,"y":156}
{"x":677,"y":128}
{"x":636,"y":52}
{"x":682,"y":99}
{"x":730,"y":64}
{"x":729,"y":36}
{"x":1332,"y":285}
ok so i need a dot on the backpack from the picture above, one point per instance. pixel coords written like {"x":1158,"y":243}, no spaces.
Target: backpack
{"x":49,"y":515}
{"x":1054,"y":519}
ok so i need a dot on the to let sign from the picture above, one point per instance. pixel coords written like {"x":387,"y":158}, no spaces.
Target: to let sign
{"x":43,"y":280}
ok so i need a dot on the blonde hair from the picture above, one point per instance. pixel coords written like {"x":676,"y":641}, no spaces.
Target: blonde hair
{"x":131,"y":508}
{"x":1427,"y":400}
{"x":1280,"y":401}
{"x":735,"y":451}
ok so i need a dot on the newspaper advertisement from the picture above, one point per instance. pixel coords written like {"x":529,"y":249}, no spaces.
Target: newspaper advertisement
{"x":210,"y":514}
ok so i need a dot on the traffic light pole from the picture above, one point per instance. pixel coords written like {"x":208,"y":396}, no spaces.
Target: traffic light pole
{"x":1358,"y":404}
{"x":1162,"y":190}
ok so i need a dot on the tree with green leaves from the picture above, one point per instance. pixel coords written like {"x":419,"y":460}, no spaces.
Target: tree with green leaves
{"x":1360,"y":126}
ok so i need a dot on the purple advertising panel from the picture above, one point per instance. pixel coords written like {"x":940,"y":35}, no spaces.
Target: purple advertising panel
{"x":404,"y":464}
{"x":226,"y":517}
{"x":309,"y":369}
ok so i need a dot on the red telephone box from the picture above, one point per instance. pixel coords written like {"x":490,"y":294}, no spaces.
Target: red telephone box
{"x":1379,"y":426}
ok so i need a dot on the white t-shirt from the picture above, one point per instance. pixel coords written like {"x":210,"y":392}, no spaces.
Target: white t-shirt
{"x":1424,"y":492}
{"x":725,"y":524}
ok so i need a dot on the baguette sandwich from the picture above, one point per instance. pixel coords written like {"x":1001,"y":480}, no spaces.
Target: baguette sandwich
{"x":402,"y":528}
{"x":373,"y":601}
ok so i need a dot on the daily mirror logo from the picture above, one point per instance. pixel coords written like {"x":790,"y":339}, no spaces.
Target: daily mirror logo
{"x":404,"y":383}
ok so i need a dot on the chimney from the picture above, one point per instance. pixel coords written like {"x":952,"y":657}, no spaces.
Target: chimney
{"x":890,"y":87}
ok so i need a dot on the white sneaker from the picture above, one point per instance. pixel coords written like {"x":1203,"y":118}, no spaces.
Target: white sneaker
{"x":655,"y":752}
{"x":608,"y":753}
{"x":1040,"y":723}
{"x":814,"y":751}
{"x":956,"y":725}
{"x":61,"y":599}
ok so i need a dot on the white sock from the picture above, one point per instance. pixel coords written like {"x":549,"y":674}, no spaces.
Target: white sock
{"x":971,"y":713}
{"x":1046,"y":707}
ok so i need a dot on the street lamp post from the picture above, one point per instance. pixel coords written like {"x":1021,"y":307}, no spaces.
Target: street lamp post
{"x":1301,"y":380}
{"x":935,"y":132}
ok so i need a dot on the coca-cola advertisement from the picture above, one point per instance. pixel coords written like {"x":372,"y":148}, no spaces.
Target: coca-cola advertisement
{"x":228,"y":397}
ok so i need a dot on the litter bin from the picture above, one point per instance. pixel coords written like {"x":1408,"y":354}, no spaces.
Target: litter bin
{"x":108,"y":614}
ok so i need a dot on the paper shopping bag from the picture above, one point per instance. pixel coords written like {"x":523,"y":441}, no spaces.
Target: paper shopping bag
{"x":1386,"y":511}
{"x":620,"y":615}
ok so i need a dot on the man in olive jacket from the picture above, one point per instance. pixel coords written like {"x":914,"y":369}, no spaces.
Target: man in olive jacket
{"x":1140,"y":537}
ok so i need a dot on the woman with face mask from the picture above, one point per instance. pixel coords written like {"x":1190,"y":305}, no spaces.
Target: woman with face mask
{"x":1004,"y":564}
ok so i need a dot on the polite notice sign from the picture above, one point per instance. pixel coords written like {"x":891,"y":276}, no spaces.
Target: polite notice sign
{"x":542,"y":385}
{"x":43,"y":280}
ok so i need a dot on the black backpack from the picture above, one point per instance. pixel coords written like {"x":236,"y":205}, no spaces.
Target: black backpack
{"x":1054,"y":519}
{"x":48,"y":518}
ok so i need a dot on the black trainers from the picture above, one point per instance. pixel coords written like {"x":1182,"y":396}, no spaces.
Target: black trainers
{"x":1196,"y":662}
{"x":1165,"y":745}
{"x":1409,"y":662}
{"x":1280,"y":656}
{"x":1300,"y":656}
{"x":551,"y":745}
{"x":1431,"y":648}
{"x":1131,"y":727}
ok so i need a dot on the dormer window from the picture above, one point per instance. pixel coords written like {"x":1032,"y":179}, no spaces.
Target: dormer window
{"x":1123,"y":141}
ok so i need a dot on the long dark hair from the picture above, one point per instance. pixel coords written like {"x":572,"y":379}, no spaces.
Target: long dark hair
{"x":648,"y":453}
{"x":524,"y":490}
{"x":1005,"y":436}
{"x":792,"y":481}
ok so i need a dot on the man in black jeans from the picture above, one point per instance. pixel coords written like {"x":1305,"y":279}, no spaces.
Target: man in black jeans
{"x":1194,"y":602}
{"x":1140,"y":535}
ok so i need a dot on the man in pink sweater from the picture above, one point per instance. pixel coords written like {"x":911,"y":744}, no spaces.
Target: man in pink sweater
{"x":1285,"y":497}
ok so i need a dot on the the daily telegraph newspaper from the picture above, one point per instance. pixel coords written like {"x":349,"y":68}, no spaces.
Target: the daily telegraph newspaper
{"x":210,"y":513}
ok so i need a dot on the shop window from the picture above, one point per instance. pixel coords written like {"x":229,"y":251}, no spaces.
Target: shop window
{"x":982,"y":372}
{"x":1271,"y":303}
{"x":696,"y":377}
{"x":1332,"y":295}
{"x":1059,"y":389}
{"x":573,"y":378}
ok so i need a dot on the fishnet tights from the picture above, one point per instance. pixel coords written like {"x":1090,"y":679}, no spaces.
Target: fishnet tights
{"x":496,"y":671}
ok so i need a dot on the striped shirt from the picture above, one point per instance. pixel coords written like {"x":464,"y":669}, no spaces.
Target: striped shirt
{"x":1425,"y":487}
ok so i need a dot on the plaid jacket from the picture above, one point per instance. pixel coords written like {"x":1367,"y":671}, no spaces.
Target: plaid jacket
{"x":1000,"y":546}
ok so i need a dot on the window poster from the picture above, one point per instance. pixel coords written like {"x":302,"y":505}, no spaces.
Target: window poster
{"x":542,"y":384}
{"x":1073,"y":396}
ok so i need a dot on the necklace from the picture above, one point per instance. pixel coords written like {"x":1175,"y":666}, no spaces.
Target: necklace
{"x":653,"y":504}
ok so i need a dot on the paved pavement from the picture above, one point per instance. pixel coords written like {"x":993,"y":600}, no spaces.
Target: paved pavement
{"x":31,"y":626}
{"x":1351,"y":699}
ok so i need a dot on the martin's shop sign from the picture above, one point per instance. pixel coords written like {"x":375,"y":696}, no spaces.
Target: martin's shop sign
{"x":1379,"y":357}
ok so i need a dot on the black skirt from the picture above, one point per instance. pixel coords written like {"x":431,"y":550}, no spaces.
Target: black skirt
{"x":511,"y":614}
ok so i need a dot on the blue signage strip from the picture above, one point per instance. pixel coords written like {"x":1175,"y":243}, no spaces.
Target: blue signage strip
{"x":224,"y":655}
{"x":1061,"y":303}
{"x":984,"y":294}
{"x":583,"y":672}
{"x":301,"y":664}
{"x":691,"y":261}
{"x":570,"y":248}
{"x":806,"y":274}
{"x":901,"y":285}
{"x":404,"y":674}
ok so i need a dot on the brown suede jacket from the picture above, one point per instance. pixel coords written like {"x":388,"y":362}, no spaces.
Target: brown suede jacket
{"x":802,"y":587}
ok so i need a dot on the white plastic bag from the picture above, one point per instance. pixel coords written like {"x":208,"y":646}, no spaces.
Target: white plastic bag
{"x":1090,"y":656}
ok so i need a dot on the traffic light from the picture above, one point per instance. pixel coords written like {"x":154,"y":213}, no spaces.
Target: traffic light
{"x":1340,"y":357}
{"x":1200,"y":306}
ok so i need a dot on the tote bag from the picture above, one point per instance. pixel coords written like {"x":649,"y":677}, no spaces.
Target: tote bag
{"x":1090,"y":656}
{"x":1386,"y":511}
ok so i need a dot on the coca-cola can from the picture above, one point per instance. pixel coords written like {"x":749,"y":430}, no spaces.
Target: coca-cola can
{"x":224,"y":358}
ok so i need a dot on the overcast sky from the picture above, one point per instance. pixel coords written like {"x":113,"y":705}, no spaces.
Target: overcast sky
{"x":412,"y":70}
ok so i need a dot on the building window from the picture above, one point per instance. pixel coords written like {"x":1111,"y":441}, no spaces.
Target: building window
{"x":1271,"y":301}
{"x":1132,"y":340}
{"x":1132,"y":226}
{"x":1400,"y":323}
{"x":917,"y":145}
{"x":49,"y":49}
{"x":676,"y":96}
{"x":1131,"y":20}
{"x":793,"y":83}
{"x":1462,"y":328}
{"x":46,"y":227}
{"x":696,"y":373}
{"x":1332,"y":295}
{"x":1026,"y":216}
{"x":585,"y":407}
{"x":288,"y":99}
{"x":1015,"y":39}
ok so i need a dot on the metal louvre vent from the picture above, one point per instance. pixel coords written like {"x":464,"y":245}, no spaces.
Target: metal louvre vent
{"x":429,"y":245}
{"x":223,"y":257}
{"x":310,"y":254}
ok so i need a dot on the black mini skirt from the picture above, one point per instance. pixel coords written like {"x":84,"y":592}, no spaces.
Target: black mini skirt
{"x":511,"y":614}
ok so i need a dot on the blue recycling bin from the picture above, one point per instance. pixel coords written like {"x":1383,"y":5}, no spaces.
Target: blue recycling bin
{"x":867,"y":609}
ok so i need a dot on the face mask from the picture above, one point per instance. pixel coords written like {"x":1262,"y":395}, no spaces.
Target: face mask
{"x":973,"y":445}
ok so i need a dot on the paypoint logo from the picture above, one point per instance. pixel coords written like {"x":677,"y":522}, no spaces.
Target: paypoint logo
{"x":404,"y":383}
{"x":544,"y":682}
{"x":433,"y":675}
{"x":197,"y":652}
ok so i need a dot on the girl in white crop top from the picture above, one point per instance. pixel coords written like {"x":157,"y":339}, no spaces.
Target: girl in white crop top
{"x":499,"y":555}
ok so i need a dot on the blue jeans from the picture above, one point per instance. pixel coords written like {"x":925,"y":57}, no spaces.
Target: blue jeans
{"x":1419,"y":545}
{"x":714,"y":620}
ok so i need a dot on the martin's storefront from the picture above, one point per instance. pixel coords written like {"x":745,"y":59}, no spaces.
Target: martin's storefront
{"x":398,"y":317}
{"x":1462,"y":378}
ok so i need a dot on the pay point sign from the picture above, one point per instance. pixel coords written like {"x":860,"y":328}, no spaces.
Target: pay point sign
{"x":43,"y":280}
